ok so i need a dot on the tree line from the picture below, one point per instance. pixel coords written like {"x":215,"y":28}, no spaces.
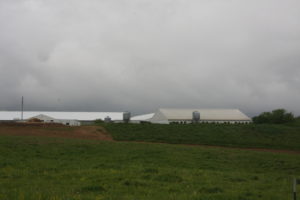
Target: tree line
{"x":278,"y":116}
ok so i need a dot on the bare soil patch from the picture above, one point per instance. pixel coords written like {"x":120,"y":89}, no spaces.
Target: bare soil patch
{"x":54,"y":130}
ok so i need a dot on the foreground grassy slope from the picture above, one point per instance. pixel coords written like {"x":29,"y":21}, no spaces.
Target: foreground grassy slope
{"x":252,"y":135}
{"x":66,"y":169}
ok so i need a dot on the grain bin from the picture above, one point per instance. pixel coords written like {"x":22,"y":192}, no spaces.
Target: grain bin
{"x":126,"y":117}
{"x":196,"y":117}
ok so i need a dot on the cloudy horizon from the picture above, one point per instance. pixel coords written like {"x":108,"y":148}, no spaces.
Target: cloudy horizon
{"x":140,"y":55}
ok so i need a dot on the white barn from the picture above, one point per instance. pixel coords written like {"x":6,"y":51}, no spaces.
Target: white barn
{"x":166,"y":116}
{"x":48,"y":119}
{"x":66,"y":117}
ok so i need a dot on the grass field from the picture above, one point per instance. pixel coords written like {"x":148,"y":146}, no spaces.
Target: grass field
{"x":41,"y":168}
{"x":252,"y":135}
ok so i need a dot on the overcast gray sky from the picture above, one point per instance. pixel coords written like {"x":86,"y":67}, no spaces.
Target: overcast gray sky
{"x":139,"y":55}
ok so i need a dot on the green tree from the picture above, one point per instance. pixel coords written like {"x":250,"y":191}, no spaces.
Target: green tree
{"x":277,"y":116}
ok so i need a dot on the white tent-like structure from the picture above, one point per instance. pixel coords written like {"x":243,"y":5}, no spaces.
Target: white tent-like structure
{"x":166,"y":116}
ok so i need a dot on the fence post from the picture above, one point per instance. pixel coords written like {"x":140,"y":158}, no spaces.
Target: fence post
{"x":294,"y":189}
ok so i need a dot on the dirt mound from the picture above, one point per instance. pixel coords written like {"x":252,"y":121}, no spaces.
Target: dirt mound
{"x":54,"y":130}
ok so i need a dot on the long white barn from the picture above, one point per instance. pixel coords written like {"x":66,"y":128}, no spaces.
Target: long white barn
{"x":166,"y":116}
{"x":48,"y":119}
{"x":80,"y":116}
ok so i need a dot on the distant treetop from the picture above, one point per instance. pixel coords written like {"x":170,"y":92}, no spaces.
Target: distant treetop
{"x":278,"y":116}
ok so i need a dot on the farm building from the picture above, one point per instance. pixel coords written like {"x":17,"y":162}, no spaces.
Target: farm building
{"x":161,"y":116}
{"x":166,"y":116}
{"x":142,"y":118}
{"x":63,"y":117}
{"x":47,"y":119}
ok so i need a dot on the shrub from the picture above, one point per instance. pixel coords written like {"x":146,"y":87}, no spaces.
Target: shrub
{"x":99,"y":121}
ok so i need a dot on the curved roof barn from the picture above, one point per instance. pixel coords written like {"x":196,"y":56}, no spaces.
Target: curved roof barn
{"x":210,"y":115}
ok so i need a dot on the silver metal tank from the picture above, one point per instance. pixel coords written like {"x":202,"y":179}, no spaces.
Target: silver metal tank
{"x":126,"y":117}
{"x":196,"y":117}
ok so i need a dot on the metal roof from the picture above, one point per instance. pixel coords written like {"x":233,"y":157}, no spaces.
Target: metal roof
{"x":145,"y":117}
{"x":41,"y":116}
{"x":205,"y":114}
{"x":89,"y":116}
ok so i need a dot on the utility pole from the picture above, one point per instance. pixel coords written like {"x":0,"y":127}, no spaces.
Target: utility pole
{"x":22,"y":108}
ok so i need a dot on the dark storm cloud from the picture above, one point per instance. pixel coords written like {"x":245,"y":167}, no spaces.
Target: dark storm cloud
{"x":139,"y":55}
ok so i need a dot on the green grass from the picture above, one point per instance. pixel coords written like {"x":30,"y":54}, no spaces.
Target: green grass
{"x":252,"y":135}
{"x":43,"y":168}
